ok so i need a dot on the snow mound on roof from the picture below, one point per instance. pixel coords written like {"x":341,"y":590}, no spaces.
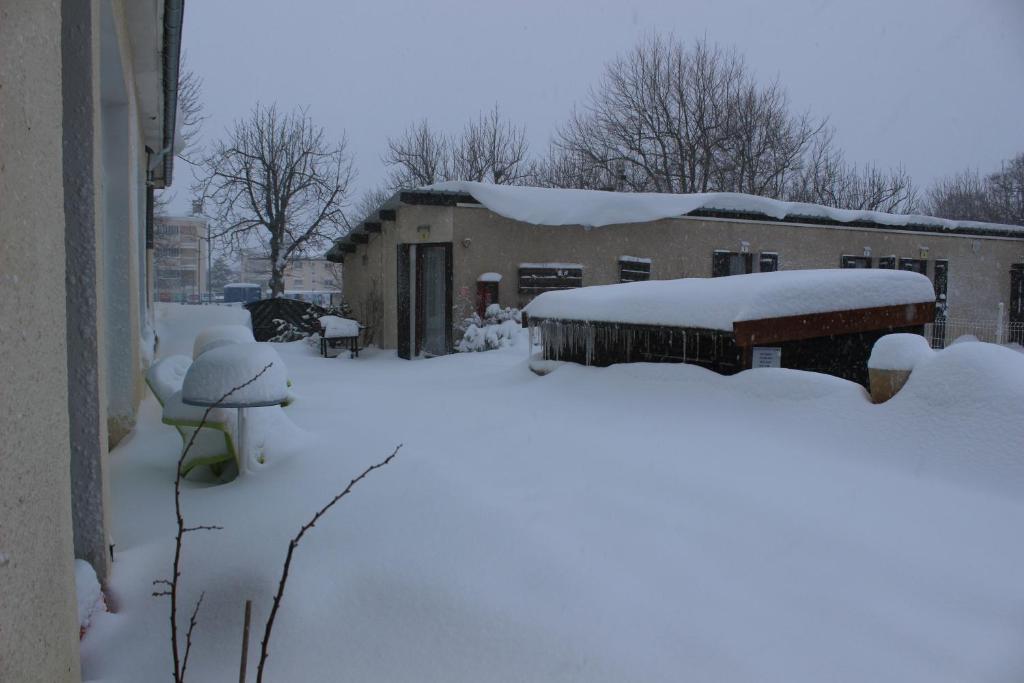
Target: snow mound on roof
{"x":716,"y":303}
{"x":902,"y":351}
{"x":556,"y":206}
{"x":219,"y":370}
{"x":220,"y":335}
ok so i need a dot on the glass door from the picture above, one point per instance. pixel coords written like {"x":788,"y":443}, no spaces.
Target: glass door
{"x":433,"y":298}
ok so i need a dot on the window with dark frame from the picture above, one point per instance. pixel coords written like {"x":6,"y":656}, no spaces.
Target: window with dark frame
{"x":887,"y":262}
{"x":486,"y":294}
{"x":849,"y":261}
{"x":915,"y":265}
{"x":537,"y":278}
{"x":634,"y":269}
{"x":768,"y":262}
{"x":731,"y":263}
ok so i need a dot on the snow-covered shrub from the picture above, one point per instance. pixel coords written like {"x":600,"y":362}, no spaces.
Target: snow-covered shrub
{"x":498,"y":328}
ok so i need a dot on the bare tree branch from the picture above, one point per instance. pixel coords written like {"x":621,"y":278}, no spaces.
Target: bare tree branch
{"x":292,"y":545}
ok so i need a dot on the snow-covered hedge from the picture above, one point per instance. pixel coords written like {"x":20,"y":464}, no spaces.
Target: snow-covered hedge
{"x":498,"y":328}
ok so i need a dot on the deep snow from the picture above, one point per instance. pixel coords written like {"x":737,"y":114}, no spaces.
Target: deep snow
{"x":637,"y":522}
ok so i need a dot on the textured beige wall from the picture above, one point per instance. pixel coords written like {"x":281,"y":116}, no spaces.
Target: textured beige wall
{"x":681,"y":247}
{"x":38,"y":621}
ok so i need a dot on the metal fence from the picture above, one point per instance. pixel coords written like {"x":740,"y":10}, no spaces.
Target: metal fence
{"x":944,"y":331}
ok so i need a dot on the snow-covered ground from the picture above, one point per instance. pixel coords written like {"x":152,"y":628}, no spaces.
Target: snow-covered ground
{"x":638,"y":522}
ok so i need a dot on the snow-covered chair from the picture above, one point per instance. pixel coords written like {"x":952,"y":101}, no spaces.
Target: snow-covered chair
{"x":213,"y":445}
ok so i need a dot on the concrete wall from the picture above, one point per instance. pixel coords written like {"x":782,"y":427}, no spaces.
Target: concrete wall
{"x":38,"y":621}
{"x":682,"y":247}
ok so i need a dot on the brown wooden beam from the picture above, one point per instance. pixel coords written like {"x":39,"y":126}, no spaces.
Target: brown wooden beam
{"x":796,"y":327}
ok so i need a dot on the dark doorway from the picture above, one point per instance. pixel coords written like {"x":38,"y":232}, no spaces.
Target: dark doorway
{"x":424,"y":300}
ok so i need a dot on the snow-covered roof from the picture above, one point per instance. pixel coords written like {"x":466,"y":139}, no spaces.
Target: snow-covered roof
{"x":717,"y":303}
{"x":555,"y":206}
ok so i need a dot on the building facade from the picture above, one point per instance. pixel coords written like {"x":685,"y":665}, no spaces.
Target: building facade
{"x":300,"y":275}
{"x":180,"y":259}
{"x":423,"y":263}
{"x":87,"y":132}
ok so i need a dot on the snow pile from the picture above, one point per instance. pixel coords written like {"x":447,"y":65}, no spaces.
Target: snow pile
{"x":219,"y":370}
{"x":89,"y":593}
{"x":901,"y":351}
{"x":497,"y":329}
{"x":221,"y":335}
{"x":716,"y":303}
{"x":489,"y":277}
{"x":553,"y":206}
{"x":335,"y":326}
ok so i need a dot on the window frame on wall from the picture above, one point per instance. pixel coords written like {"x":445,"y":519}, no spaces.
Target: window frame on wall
{"x":634,"y":269}
{"x":852,"y":261}
{"x":547,"y":277}
{"x":918,"y":265}
{"x":769,"y":259}
{"x":887,"y":262}
{"x":720,"y":257}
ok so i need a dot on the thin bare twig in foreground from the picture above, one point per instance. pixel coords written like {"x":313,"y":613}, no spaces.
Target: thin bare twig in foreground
{"x":172,"y":585}
{"x":292,"y":545}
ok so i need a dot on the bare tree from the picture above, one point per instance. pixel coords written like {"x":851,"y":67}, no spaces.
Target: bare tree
{"x":420,"y":156}
{"x":827,"y":178}
{"x":997,"y":197}
{"x":490,"y":149}
{"x":666,"y":118}
{"x":277,"y":181}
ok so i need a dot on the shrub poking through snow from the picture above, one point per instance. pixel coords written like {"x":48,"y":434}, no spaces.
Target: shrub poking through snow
{"x":497,"y":329}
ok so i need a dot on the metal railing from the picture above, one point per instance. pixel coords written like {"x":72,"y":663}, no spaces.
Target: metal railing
{"x":944,"y":331}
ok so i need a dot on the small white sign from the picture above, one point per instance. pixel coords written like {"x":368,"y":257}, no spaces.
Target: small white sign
{"x":766,"y":357}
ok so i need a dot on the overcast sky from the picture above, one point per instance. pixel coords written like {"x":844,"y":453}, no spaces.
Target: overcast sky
{"x":937,"y":85}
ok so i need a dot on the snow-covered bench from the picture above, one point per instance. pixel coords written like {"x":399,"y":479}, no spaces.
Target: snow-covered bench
{"x":213,"y":445}
{"x":336,"y":331}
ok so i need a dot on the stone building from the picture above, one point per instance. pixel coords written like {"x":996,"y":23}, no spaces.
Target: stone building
{"x":432,"y":256}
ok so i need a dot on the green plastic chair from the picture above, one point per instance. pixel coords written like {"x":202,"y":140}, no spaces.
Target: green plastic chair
{"x":214,"y":445}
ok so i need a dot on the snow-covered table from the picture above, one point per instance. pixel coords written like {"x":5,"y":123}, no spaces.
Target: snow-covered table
{"x":336,"y":330}
{"x":238,"y":376}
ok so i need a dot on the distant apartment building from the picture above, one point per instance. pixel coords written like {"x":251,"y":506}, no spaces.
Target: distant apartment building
{"x":180,"y":265}
{"x":301,"y":275}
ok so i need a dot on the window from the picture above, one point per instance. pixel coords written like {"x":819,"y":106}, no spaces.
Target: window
{"x":166,"y":252}
{"x":857,"y":262}
{"x":731,"y":263}
{"x":916,"y":265}
{"x":536,"y":278}
{"x":887,"y":262}
{"x":165,"y":230}
{"x":769,"y":262}
{"x":634,"y":269}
